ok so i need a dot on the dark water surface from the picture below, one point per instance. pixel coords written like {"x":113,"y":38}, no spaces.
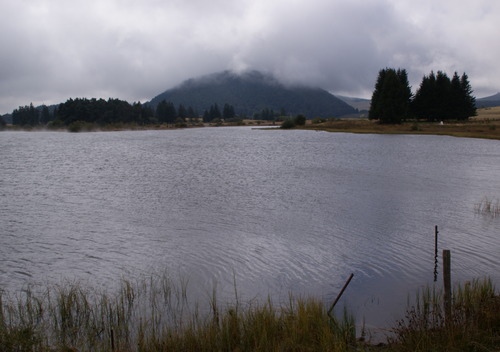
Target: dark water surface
{"x":274,"y":211}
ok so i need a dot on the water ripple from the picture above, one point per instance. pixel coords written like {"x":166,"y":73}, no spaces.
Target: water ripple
{"x":280,"y":211}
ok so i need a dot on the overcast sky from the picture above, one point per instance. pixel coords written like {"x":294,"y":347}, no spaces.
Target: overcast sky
{"x":51,"y":50}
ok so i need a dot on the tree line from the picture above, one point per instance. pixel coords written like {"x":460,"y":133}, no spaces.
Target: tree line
{"x":112,"y":111}
{"x":438,"y":97}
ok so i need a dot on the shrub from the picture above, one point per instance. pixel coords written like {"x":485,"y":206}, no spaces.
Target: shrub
{"x":474,"y":320}
{"x":288,"y":124}
{"x":300,"y":120}
{"x":79,"y":126}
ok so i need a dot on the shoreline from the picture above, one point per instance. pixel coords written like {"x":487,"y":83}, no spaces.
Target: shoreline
{"x":452,"y":130}
{"x":486,"y":125}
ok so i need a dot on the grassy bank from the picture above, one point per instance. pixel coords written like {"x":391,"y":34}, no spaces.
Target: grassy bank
{"x":485,"y":125}
{"x":155,"y":315}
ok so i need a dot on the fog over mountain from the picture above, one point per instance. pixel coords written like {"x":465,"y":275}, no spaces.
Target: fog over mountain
{"x":252,"y":91}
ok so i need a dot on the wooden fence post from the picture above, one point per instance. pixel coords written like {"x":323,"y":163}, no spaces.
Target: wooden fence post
{"x":436,"y":232}
{"x":339,"y":295}
{"x":447,"y":284}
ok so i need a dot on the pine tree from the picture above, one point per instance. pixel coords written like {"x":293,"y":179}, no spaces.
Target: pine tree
{"x":456,"y":97}
{"x":161,"y":111}
{"x":171,"y":113}
{"x":439,"y":98}
{"x":424,"y":102}
{"x":165,"y":112}
{"x":228,"y":112}
{"x":182,"y":112}
{"x":391,"y":97}
{"x":191,"y":113}
{"x":45,"y":115}
{"x":469,"y":101}
{"x":214,"y":112}
{"x":376,"y":101}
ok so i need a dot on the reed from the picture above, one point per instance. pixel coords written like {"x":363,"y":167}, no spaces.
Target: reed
{"x":154,"y":314}
{"x":488,"y":207}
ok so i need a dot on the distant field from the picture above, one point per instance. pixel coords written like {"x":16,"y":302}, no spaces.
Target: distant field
{"x":485,"y":125}
{"x":488,"y":114}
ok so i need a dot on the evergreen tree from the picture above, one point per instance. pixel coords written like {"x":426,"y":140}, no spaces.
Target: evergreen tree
{"x":161,"y":111}
{"x":228,"y":112}
{"x":442,"y":97}
{"x":455,"y":97}
{"x":214,"y":112}
{"x":165,"y":112}
{"x":25,"y":116}
{"x":182,"y":112}
{"x":468,"y":100}
{"x":45,"y":115}
{"x":424,"y":102}
{"x":391,"y":97}
{"x":191,"y":113}
{"x":376,"y":101}
{"x":206,"y":116}
{"x":439,"y":98}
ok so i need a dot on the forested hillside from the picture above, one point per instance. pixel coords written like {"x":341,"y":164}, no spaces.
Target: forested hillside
{"x":253,"y":92}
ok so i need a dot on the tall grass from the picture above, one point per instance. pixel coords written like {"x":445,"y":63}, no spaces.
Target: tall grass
{"x":474,"y":323}
{"x":154,"y":314}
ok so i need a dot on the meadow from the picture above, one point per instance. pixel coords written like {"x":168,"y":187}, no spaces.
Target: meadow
{"x":485,"y":125}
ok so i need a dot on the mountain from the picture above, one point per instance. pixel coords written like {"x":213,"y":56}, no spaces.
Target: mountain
{"x":6,"y":118}
{"x":357,"y":103}
{"x":486,"y":102}
{"x":251,"y":92}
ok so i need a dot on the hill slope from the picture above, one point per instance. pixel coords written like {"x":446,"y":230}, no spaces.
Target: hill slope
{"x":251,"y":92}
{"x":357,"y":103}
{"x":490,"y":101}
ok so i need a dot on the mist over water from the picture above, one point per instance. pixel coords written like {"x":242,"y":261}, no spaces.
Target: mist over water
{"x":270,"y":211}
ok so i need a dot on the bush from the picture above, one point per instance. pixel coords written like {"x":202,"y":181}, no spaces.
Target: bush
{"x":300,"y":120}
{"x":288,"y":124}
{"x":55,"y":125}
{"x":474,"y":320}
{"x":79,"y":126}
{"x":181,"y":124}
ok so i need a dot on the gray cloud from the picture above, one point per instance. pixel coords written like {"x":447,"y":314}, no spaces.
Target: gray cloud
{"x":54,"y":49}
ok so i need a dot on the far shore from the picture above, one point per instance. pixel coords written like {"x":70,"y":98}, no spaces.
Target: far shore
{"x":485,"y":125}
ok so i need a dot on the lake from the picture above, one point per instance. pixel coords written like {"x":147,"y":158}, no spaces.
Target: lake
{"x":271,"y":211}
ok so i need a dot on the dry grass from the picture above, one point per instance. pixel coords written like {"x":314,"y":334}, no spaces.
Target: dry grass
{"x":156,"y":315}
{"x":485,"y":125}
{"x":492,"y":114}
{"x":473,"y":325}
{"x":489,"y":207}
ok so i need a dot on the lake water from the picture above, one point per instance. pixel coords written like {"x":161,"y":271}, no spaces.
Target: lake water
{"x":272,"y":211}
